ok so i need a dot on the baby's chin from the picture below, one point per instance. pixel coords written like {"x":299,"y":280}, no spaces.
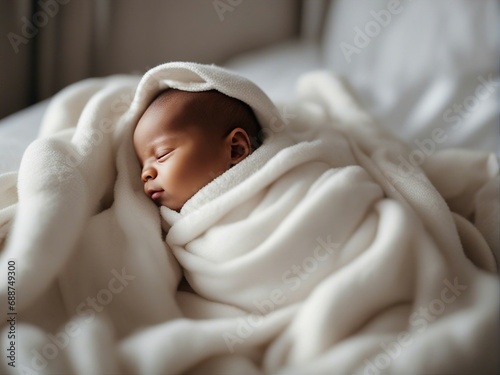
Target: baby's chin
{"x":166,"y":201}
{"x":173,"y":203}
{"x":174,"y":206}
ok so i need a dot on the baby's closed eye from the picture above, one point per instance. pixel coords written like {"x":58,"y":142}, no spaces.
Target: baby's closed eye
{"x":162,"y":155}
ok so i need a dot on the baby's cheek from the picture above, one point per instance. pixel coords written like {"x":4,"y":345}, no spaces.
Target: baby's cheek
{"x":185,"y":180}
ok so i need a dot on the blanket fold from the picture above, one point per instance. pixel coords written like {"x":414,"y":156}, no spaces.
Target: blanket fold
{"x":326,"y":251}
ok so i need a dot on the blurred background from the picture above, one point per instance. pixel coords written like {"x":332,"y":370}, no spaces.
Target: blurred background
{"x":415,"y":65}
{"x":53,"y":43}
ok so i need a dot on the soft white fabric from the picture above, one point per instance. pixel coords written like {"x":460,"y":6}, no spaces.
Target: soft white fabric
{"x":384,"y":279}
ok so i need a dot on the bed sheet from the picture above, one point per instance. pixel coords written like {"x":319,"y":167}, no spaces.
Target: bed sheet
{"x":17,"y":131}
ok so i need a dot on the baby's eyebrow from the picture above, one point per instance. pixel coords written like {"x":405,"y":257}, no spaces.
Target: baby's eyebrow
{"x":164,"y":138}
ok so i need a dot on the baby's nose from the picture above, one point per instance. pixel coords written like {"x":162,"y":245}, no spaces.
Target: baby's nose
{"x":148,"y":174}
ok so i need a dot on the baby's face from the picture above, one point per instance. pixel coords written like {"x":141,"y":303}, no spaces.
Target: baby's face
{"x":177,"y":151}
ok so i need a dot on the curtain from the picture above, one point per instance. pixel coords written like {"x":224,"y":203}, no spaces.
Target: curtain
{"x":49,"y":44}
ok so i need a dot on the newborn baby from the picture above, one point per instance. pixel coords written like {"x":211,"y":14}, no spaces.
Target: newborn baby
{"x":185,"y":139}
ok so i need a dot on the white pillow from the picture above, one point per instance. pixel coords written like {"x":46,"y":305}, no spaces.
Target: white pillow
{"x":421,"y":65}
{"x":276,"y":69}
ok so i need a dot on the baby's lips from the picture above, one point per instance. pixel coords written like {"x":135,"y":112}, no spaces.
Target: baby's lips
{"x":156,"y":194}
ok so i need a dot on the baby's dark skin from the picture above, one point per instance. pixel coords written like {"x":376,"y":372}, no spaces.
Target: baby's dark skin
{"x":182,"y":146}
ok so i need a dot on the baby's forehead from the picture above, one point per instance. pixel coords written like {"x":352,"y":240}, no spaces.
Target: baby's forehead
{"x":187,"y":99}
{"x":176,"y":107}
{"x":175,"y":110}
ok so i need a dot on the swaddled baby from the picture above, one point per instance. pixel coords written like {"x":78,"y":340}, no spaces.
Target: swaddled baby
{"x":248,"y":219}
{"x":185,"y":139}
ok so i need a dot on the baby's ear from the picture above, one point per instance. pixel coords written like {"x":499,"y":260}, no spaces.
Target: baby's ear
{"x":240,"y":145}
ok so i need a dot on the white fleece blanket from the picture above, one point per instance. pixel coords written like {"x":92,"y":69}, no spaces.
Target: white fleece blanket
{"x":332,"y":249}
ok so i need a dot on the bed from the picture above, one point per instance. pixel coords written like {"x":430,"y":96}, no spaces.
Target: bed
{"x":426,"y":71}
